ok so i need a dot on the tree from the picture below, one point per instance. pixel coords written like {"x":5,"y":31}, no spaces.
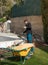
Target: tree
{"x":45,"y":19}
{"x":5,"y":5}
{"x":19,"y":2}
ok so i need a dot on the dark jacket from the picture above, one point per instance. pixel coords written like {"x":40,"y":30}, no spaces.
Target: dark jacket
{"x":28,"y":28}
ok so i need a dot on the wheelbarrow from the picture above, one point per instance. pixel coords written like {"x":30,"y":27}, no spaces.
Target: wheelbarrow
{"x":22,"y":50}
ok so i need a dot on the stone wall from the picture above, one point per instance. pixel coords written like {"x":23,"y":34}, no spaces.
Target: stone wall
{"x":18,"y":23}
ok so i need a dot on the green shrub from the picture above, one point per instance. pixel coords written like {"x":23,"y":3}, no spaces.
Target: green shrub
{"x":2,"y":19}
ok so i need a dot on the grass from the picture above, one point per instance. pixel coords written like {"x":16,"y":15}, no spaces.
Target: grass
{"x":40,"y":57}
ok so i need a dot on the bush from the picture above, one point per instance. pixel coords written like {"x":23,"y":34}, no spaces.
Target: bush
{"x":2,"y":19}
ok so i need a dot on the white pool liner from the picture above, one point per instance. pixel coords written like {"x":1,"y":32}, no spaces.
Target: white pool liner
{"x":6,"y":44}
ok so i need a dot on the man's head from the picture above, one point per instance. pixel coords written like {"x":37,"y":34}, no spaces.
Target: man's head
{"x":26,"y":21}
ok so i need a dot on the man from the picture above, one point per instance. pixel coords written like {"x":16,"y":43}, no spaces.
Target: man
{"x":28,"y":31}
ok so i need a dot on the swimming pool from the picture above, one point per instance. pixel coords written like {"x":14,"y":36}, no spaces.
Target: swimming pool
{"x":7,"y":40}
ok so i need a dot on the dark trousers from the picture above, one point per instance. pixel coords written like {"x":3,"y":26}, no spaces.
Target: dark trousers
{"x":29,"y":40}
